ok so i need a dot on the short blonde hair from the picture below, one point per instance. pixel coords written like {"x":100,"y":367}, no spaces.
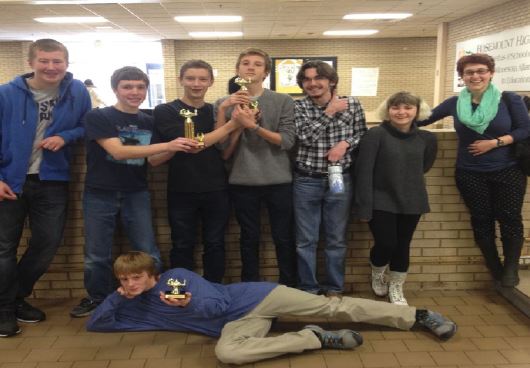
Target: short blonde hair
{"x":135,"y":262}
{"x":407,"y":98}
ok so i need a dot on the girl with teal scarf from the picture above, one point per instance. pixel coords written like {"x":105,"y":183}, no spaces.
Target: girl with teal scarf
{"x":487,"y":175}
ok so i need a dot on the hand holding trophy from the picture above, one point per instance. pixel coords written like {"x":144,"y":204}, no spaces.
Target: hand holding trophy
{"x":242,"y":82}
{"x":177,"y":292}
{"x":189,"y":127}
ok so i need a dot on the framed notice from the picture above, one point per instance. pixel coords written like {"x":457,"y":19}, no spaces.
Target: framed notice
{"x":285,"y":69}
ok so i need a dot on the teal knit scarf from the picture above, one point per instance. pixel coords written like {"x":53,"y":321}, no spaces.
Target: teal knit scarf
{"x":486,"y":111}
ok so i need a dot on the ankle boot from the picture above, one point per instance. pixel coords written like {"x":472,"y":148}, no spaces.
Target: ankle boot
{"x":512,"y":253}
{"x":395,"y":287}
{"x":491,"y":256}
{"x":379,"y":284}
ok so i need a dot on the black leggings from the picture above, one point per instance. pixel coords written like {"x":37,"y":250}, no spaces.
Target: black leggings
{"x":491,"y":196}
{"x":392,"y":235}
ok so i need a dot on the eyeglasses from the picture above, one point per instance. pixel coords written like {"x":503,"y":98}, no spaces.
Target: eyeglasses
{"x":469,"y":73}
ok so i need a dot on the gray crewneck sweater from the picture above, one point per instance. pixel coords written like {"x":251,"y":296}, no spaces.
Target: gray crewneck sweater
{"x":389,"y":171}
{"x":256,"y":161}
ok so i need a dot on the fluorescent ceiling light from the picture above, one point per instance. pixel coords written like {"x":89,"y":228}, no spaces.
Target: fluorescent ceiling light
{"x":208,"y":19}
{"x":366,"y":16}
{"x":351,"y":32}
{"x":88,"y":2}
{"x":215,"y":34}
{"x":65,"y":20}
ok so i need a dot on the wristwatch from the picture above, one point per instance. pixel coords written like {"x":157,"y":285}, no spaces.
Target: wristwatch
{"x":500,"y":142}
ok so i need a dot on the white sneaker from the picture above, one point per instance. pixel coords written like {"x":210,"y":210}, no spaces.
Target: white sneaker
{"x":379,"y":284}
{"x":395,"y":288}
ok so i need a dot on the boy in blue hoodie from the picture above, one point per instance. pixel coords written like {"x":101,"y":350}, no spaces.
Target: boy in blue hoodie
{"x":40,"y":116}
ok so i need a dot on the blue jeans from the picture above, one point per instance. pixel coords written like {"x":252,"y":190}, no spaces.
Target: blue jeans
{"x":100,"y":209}
{"x":184,"y":212}
{"x":45,"y":203}
{"x":313,"y":204}
{"x":247,"y":204}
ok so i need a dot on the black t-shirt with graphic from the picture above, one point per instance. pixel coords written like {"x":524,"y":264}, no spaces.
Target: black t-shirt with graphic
{"x":103,"y":171}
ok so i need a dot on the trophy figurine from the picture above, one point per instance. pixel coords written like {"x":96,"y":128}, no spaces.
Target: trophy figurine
{"x":189,"y":127}
{"x":242,"y":82}
{"x":176,"y":293}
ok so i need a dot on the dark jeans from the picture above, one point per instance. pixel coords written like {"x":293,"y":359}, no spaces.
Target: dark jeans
{"x":279,"y":201}
{"x":100,"y":210}
{"x":184,"y":212}
{"x":392,"y":236}
{"x":45,"y":202}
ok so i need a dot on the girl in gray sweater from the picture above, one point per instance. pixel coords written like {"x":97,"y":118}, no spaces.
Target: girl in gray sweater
{"x":390,"y":191}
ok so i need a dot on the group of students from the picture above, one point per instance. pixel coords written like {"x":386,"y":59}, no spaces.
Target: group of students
{"x":253,"y":131}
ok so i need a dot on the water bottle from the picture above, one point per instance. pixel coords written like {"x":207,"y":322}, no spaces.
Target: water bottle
{"x":336,"y":182}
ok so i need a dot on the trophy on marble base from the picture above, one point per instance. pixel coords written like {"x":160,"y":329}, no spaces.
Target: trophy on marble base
{"x":189,"y":127}
{"x":242,"y":82}
{"x":177,"y":292}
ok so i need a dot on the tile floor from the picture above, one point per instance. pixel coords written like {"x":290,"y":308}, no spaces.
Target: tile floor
{"x":492,"y":334}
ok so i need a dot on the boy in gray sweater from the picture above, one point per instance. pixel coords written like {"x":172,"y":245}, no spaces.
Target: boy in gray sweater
{"x":260,"y":167}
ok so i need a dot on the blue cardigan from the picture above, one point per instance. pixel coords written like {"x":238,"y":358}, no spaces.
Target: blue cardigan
{"x":517,"y":125}
{"x":211,"y":307}
{"x":18,"y":123}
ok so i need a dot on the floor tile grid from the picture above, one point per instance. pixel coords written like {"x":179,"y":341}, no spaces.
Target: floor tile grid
{"x":491,"y":334}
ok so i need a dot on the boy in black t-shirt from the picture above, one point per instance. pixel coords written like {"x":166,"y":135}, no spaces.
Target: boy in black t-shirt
{"x":197,"y":185}
{"x":117,"y":142}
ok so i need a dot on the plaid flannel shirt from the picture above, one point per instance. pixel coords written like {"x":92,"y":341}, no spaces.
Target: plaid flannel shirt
{"x":317,"y":133}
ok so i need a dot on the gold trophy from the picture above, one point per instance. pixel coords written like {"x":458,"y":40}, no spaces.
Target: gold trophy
{"x":176,"y":293}
{"x":242,"y":82}
{"x":189,"y":127}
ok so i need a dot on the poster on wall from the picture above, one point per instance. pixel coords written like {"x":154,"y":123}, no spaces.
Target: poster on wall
{"x":364,"y":81}
{"x":511,"y":51}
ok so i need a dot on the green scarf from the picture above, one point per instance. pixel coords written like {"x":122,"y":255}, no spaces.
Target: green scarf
{"x":486,"y":111}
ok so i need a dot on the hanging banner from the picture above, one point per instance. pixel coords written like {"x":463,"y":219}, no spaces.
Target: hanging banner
{"x":511,"y":51}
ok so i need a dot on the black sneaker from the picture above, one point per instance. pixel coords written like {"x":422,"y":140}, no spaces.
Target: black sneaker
{"x":25,"y":312}
{"x":85,"y":308}
{"x":8,"y":324}
{"x":437,"y":324}
{"x":341,"y":339}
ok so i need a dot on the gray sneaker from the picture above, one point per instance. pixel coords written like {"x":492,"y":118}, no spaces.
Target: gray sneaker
{"x":438,"y":325}
{"x":341,"y":339}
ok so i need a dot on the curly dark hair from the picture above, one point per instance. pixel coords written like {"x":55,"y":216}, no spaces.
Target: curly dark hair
{"x":474,"y":59}
{"x":323,"y":69}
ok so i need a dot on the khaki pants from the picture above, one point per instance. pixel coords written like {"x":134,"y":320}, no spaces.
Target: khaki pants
{"x":244,"y":340}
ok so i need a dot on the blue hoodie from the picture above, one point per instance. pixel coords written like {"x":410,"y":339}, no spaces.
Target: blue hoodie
{"x":18,"y":125}
{"x":211,"y":307}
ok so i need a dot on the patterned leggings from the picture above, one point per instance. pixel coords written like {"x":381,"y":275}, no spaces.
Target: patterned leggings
{"x":491,"y":196}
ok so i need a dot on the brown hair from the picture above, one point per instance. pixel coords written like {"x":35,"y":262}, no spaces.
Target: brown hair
{"x":323,"y":69}
{"x":259,"y":52}
{"x":131,"y":73}
{"x":135,"y":262}
{"x":474,"y":59}
{"x":196,"y":64}
{"x":47,"y":45}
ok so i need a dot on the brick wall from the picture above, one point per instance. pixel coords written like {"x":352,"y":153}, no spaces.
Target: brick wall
{"x":13,"y":56}
{"x":442,"y":255}
{"x":513,"y":14}
{"x":404,"y":64}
